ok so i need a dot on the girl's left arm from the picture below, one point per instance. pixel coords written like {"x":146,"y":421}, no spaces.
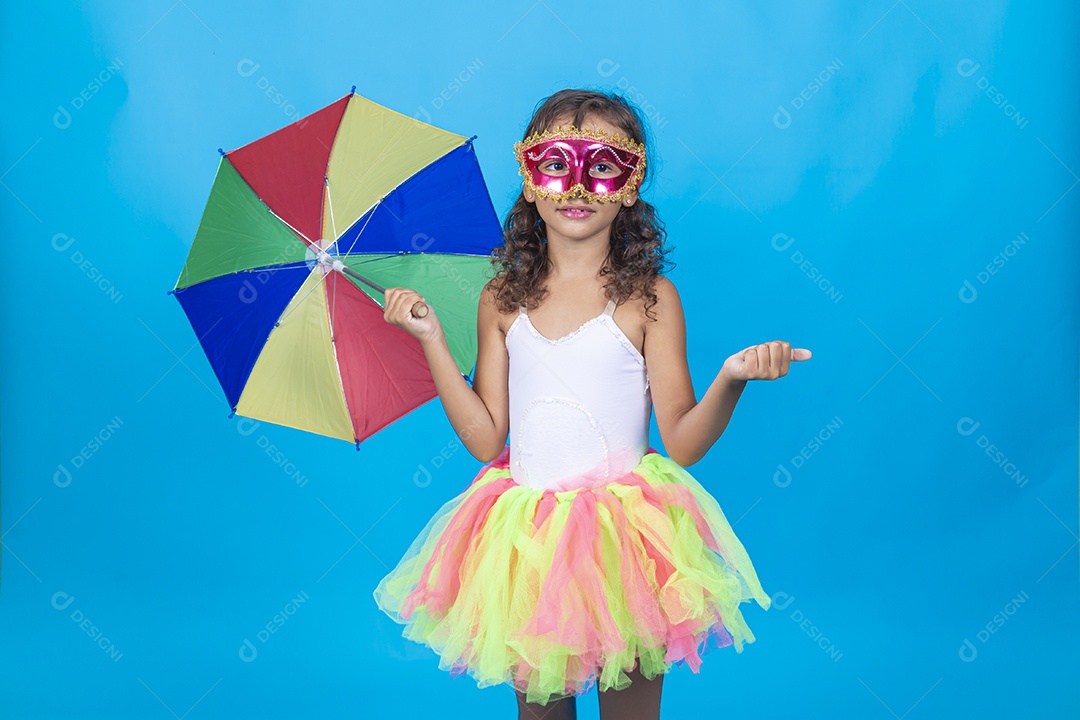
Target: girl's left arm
{"x":688,"y":427}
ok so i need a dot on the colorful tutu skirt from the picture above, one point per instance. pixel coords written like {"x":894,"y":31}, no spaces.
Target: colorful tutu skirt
{"x":555,"y":592}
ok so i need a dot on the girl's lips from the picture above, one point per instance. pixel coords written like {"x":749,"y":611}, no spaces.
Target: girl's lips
{"x":575,"y":213}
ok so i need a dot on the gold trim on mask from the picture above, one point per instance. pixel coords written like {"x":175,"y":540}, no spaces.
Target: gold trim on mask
{"x":578,"y":190}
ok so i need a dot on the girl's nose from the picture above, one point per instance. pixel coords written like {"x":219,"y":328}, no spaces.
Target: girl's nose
{"x":579,"y":174}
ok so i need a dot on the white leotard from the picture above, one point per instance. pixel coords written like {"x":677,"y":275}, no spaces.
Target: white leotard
{"x":579,"y":405}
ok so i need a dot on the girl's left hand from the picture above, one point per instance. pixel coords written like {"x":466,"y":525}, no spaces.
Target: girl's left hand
{"x":767,"y":361}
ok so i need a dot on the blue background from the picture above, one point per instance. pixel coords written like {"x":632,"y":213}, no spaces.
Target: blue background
{"x":838,"y":177}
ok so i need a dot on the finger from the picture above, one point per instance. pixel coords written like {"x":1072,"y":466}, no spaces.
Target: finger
{"x":776,"y":358}
{"x":785,"y":358}
{"x":402,"y":301}
{"x":763,"y":362}
{"x":410,"y":303}
{"x":388,"y":302}
{"x":753,"y":357}
{"x":800,"y":354}
{"x":395,"y":304}
{"x":768,"y":369}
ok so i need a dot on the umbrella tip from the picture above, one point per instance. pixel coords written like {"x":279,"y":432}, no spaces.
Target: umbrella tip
{"x":221,"y":152}
{"x":232,"y":413}
{"x":471,"y":139}
{"x":357,"y":444}
{"x":353,"y":91}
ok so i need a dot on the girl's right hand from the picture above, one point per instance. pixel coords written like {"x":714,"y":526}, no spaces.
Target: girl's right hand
{"x":397,"y":310}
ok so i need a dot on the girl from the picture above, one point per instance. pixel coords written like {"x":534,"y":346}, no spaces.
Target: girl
{"x":579,"y":555}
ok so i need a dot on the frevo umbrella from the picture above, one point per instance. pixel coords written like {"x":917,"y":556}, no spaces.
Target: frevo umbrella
{"x":303,"y":230}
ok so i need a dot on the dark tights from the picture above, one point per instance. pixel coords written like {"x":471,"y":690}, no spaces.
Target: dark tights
{"x":639,"y":701}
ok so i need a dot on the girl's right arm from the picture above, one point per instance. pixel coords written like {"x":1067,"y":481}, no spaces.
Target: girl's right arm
{"x":479,"y":414}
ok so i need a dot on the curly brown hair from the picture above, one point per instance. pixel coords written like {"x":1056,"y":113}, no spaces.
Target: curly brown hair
{"x":637,"y":253}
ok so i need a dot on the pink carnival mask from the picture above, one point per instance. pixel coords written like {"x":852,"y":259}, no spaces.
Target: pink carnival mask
{"x":564,"y":163}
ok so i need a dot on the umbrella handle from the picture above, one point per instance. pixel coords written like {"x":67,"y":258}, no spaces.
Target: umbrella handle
{"x":419,"y":308}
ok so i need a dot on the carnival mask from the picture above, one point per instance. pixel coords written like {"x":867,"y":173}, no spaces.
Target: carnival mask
{"x":566,"y":162}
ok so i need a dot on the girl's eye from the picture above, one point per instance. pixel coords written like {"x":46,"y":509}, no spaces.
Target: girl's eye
{"x":553,"y":167}
{"x":604,"y":170}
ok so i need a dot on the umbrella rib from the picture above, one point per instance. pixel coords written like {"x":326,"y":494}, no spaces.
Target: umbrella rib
{"x":379,"y":256}
{"x":330,"y":203}
{"x":297,"y":304}
{"x":370,"y":214}
{"x":392,"y":254}
{"x":333,"y":313}
{"x":337,"y":362}
{"x":286,"y":222}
